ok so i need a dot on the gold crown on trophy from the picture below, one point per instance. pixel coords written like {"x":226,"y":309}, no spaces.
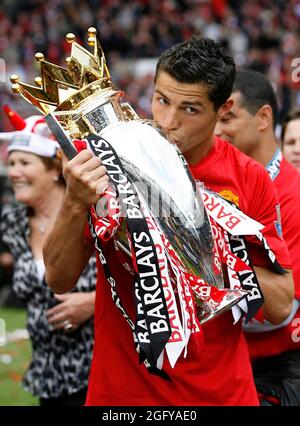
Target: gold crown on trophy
{"x":74,"y":94}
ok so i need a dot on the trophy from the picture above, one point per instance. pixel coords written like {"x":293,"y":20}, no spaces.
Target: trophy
{"x":81,"y":103}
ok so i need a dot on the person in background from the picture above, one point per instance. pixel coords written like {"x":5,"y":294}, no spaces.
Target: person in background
{"x":290,"y":138}
{"x":6,"y":268}
{"x":250,"y":126}
{"x":7,"y":295}
{"x":60,"y":326}
{"x":192,"y":84}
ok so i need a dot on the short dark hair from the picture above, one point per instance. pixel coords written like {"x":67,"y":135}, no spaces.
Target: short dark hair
{"x":200,"y":60}
{"x":292,"y":115}
{"x":255,"y":91}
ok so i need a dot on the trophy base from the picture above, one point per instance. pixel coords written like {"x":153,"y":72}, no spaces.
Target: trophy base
{"x":217,"y":302}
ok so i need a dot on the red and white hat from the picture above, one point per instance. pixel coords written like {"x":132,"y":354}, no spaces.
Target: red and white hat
{"x":32,"y":135}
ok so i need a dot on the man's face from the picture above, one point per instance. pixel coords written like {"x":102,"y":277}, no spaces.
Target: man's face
{"x":238,"y":126}
{"x":291,"y":143}
{"x":186,"y":115}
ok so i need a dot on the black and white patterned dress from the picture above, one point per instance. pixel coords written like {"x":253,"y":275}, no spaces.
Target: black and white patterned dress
{"x":60,"y":362}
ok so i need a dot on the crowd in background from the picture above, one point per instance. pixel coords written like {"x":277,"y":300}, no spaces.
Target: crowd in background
{"x":261,"y":34}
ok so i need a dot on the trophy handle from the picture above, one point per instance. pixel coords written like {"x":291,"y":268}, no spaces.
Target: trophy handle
{"x":60,"y":135}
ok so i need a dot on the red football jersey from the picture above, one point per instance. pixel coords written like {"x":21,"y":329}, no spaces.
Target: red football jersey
{"x":274,"y":342}
{"x":217,"y":372}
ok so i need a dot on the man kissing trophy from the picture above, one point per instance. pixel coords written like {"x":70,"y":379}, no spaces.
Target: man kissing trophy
{"x":153,"y":208}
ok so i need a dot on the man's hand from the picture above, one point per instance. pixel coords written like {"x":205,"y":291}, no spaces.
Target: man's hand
{"x":86,"y":179}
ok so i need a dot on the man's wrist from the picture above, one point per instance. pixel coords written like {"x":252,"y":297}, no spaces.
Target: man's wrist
{"x":73,"y":206}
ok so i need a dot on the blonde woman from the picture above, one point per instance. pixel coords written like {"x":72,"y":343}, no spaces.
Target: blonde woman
{"x":60,"y":326}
